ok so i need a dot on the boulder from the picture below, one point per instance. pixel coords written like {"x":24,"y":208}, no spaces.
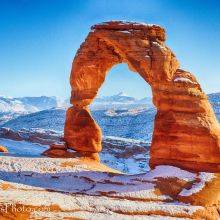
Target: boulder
{"x":3,"y":149}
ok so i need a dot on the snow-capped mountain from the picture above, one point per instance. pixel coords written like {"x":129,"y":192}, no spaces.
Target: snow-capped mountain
{"x":40,"y":103}
{"x":27,"y":104}
{"x":120,"y":101}
{"x":147,"y":100}
{"x":51,"y":119}
{"x":14,"y":105}
{"x":120,"y":97}
{"x":11,"y":108}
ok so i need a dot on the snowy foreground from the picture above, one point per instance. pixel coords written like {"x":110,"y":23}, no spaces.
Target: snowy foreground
{"x":46,"y":188}
{"x":125,"y":155}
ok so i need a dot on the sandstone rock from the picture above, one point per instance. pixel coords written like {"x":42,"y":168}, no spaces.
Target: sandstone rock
{"x":56,"y":153}
{"x":61,"y":146}
{"x":186,"y":131}
{"x":81,"y":132}
{"x":3,"y":149}
{"x":57,"y":150}
{"x":89,"y":155}
{"x":61,"y":151}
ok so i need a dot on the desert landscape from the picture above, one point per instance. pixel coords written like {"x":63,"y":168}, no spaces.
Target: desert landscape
{"x":56,"y":164}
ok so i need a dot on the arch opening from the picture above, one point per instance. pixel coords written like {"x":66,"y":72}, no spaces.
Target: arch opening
{"x":118,"y":101}
{"x":124,"y":111}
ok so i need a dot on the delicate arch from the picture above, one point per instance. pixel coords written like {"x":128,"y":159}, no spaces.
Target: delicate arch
{"x":186,"y":130}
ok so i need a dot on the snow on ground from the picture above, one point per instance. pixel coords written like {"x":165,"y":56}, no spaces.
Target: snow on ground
{"x":58,"y":173}
{"x":125,"y":155}
{"x":204,"y":178}
{"x":128,"y":140}
{"x":170,"y":171}
{"x":79,"y":190}
{"x":22,"y":148}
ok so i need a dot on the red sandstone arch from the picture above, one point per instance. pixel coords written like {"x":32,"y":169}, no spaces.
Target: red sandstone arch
{"x":186,"y":131}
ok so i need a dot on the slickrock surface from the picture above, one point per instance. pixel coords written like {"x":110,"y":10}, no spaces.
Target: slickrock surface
{"x":85,"y":189}
{"x":186,"y":131}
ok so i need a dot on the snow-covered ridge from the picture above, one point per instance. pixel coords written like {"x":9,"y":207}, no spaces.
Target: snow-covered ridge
{"x":27,"y":104}
{"x":129,"y":112}
{"x":132,"y":124}
{"x":120,"y":101}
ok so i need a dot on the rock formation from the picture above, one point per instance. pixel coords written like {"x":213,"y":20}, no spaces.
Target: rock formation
{"x":186,"y":131}
{"x":3,"y":149}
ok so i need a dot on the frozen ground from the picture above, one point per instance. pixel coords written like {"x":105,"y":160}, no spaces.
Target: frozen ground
{"x":88,"y":190}
{"x":128,"y":156}
{"x":23,"y":148}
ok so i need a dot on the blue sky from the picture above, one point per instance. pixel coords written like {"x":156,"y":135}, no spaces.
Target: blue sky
{"x":39,"y":38}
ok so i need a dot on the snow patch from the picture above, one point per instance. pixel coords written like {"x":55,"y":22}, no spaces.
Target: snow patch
{"x":182,"y":79}
{"x":159,"y":45}
{"x":204,"y":179}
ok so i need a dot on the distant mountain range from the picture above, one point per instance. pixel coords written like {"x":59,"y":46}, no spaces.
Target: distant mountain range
{"x":11,"y":108}
{"x":124,"y":123}
{"x":120,"y":101}
{"x":120,"y":97}
{"x":27,"y":104}
{"x":130,"y":121}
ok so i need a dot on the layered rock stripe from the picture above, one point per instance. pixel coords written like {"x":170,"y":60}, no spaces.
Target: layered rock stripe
{"x":186,"y":131}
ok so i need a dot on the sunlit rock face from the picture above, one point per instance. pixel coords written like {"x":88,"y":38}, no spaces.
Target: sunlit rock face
{"x":186,"y":131}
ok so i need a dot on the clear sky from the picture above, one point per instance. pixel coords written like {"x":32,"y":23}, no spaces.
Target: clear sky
{"x":39,"y":38}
